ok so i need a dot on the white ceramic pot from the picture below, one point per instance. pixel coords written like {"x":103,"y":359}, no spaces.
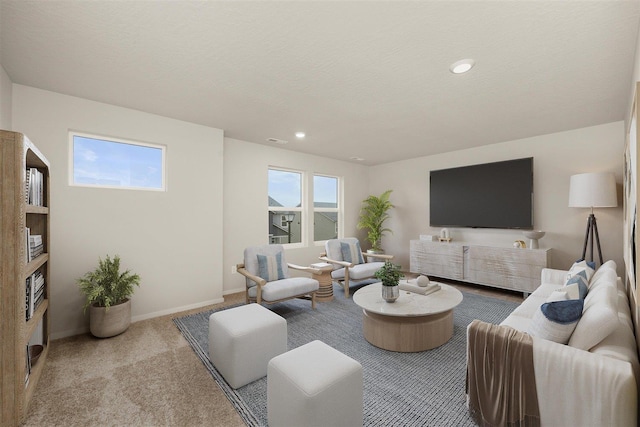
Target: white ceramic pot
{"x":372,"y":259}
{"x":104,"y":323}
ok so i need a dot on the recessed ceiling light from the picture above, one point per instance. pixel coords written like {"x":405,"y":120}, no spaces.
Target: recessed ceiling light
{"x":357,"y":159}
{"x":300,"y":135}
{"x":462,"y":66}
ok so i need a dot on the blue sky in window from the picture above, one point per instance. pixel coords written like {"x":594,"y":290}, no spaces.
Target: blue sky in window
{"x":325,"y":190}
{"x":285,"y":187}
{"x":110,"y":163}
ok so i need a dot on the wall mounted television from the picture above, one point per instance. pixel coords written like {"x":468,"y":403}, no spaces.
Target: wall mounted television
{"x":489,"y":195}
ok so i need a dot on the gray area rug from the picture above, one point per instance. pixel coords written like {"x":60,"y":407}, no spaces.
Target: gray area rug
{"x":400,"y":389}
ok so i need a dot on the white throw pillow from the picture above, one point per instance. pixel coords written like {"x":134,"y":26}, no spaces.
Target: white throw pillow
{"x":555,"y":321}
{"x":578,"y":266}
{"x":599,"y":317}
{"x":560,"y":295}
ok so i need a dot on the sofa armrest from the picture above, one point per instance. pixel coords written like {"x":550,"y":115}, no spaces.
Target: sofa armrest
{"x":553,"y":276}
{"x":596,"y":390}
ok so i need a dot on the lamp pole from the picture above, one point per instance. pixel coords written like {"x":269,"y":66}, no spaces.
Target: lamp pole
{"x":289,"y":218}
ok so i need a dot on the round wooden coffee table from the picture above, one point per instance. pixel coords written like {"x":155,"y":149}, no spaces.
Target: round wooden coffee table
{"x":412,"y":323}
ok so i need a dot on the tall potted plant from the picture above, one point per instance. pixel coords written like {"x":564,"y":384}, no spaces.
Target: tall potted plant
{"x":390,"y":276}
{"x":108,"y":295}
{"x":373,"y":214}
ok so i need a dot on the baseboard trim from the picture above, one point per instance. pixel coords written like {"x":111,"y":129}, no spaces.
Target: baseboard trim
{"x":85,"y":330}
{"x":175,"y":310}
{"x":233,"y":291}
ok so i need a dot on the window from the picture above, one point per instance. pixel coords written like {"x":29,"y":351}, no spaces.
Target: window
{"x":285,"y":206}
{"x":326,"y":208}
{"x":114,"y":163}
{"x":289,"y":214}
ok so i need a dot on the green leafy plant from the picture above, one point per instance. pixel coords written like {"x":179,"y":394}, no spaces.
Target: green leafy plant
{"x":389,"y":274}
{"x":106,"y":286}
{"x":373,"y":214}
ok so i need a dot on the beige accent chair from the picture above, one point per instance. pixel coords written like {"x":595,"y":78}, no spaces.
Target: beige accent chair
{"x":267,"y":277}
{"x":347,"y":264}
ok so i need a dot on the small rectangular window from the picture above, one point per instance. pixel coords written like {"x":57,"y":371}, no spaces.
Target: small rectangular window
{"x":115,"y":163}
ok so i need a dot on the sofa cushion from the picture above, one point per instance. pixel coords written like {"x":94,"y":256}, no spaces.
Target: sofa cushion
{"x":605,"y":274}
{"x":531,"y":305}
{"x":556,"y":320}
{"x":599,"y":317}
{"x":519,"y":323}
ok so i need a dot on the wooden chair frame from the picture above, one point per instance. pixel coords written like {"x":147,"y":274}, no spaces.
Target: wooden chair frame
{"x":345,"y":282}
{"x":261,"y":282}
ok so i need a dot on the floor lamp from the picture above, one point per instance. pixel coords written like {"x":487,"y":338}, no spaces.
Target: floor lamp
{"x":592,"y":190}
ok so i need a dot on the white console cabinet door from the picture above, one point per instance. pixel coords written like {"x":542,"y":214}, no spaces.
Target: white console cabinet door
{"x":438,"y":259}
{"x":508,"y":268}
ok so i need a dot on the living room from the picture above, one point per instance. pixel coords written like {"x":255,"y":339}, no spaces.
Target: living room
{"x":184,"y":242}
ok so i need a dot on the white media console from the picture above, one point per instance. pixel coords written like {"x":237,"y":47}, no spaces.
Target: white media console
{"x":501,"y":267}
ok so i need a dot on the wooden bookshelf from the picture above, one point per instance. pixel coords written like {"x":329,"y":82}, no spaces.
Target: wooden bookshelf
{"x":18,"y":381}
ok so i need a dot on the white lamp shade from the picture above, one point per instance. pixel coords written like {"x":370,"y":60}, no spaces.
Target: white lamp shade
{"x":593,"y":190}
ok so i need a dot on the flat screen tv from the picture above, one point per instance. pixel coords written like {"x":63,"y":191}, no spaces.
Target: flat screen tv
{"x":489,"y":195}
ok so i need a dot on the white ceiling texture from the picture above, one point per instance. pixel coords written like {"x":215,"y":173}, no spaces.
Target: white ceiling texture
{"x":362,"y":79}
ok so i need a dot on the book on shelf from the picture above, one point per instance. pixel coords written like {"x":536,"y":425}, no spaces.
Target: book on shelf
{"x":36,"y":247}
{"x":28,"y":252}
{"x":34,"y":187}
{"x":35,"y":293}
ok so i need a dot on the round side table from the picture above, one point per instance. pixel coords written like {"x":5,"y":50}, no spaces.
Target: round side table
{"x":325,"y":291}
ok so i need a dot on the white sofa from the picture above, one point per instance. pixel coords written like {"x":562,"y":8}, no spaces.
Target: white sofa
{"x":574,"y":386}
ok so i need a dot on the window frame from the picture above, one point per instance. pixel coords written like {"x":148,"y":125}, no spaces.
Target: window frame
{"x":307,"y":207}
{"x":281,"y":210}
{"x":338,"y":210}
{"x":116,"y":140}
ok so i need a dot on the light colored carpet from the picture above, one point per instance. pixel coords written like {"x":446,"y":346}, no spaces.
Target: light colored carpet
{"x":147,"y":376}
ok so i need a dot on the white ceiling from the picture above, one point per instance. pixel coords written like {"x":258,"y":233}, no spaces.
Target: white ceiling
{"x":362,"y":79}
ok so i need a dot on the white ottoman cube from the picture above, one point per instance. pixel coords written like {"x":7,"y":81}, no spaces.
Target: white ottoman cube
{"x":314,"y":385}
{"x":243,"y":339}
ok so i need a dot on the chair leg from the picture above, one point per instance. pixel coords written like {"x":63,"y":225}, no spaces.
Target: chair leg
{"x":346,"y":283}
{"x":313,"y":300}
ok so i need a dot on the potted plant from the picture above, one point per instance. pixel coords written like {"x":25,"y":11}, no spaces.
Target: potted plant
{"x":390,"y":275}
{"x":108,"y":293}
{"x":373,"y":214}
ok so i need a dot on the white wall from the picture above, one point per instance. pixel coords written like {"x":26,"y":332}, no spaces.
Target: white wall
{"x":173,"y":239}
{"x":6,"y":90}
{"x":245,"y":199}
{"x":556,"y":158}
{"x":184,"y":242}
